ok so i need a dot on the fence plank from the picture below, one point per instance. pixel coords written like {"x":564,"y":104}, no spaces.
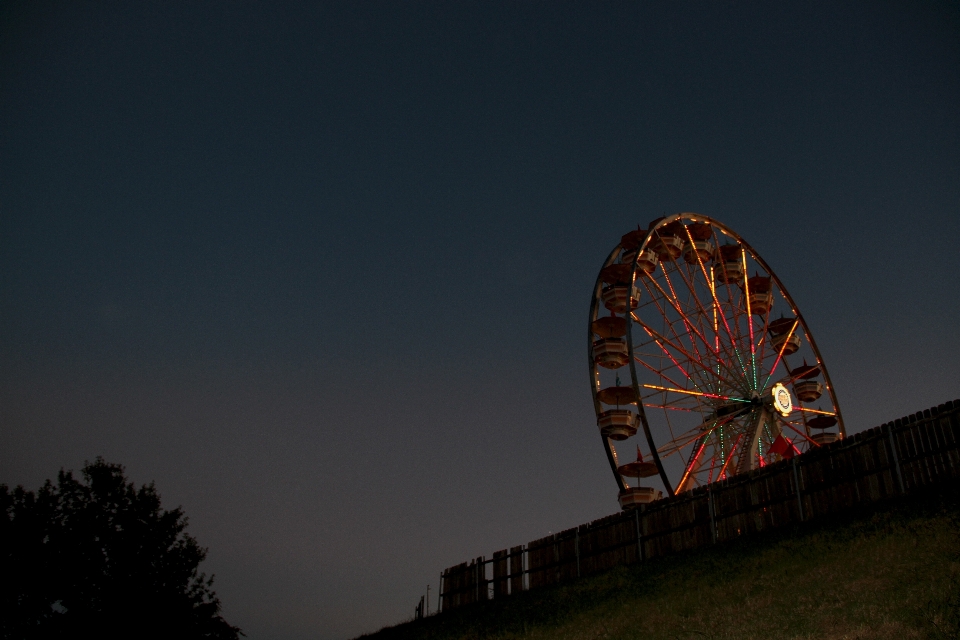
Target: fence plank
{"x":516,"y":569}
{"x":500,"y":574}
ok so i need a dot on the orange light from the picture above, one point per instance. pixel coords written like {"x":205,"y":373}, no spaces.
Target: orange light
{"x":823,"y":413}
{"x":782,"y":347}
{"x":723,"y":469}
{"x":691,"y":393}
{"x":746,"y":290}
{"x":693,"y":463}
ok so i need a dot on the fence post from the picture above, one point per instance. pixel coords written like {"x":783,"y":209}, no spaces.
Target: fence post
{"x":516,"y":569}
{"x":483,"y":585}
{"x":892,"y":444}
{"x":796,"y":483}
{"x":636,"y":518}
{"x":556,"y":558}
{"x":713,"y":518}
{"x":576,"y":549}
{"x":526,"y":567}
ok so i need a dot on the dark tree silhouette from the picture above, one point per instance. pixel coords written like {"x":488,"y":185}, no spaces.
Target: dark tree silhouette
{"x":99,"y":558}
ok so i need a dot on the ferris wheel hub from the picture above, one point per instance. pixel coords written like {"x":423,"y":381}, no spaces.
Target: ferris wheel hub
{"x":782,"y":401}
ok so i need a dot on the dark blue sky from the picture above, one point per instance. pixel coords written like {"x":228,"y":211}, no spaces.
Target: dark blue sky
{"x":323,"y":271}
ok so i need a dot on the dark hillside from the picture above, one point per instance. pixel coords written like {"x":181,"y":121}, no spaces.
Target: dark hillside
{"x":890,"y":570}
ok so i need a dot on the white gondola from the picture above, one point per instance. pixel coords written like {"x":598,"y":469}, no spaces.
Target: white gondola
{"x":791,"y":345}
{"x":668,"y":247}
{"x":615,"y":297}
{"x":730,"y":272}
{"x":633,"y":497}
{"x":760,"y":302}
{"x":647,"y":262}
{"x":611,"y":353}
{"x":761,"y":295}
{"x":825,"y":438}
{"x":617,"y":424}
{"x":702,"y":249}
{"x":609,"y":327}
{"x":822,"y":422}
{"x":806,"y":390}
{"x":729,"y":268}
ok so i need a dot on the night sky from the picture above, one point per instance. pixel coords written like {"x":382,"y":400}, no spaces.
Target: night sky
{"x":323,"y":271}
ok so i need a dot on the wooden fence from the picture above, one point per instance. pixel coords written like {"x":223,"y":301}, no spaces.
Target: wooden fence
{"x":895,"y":458}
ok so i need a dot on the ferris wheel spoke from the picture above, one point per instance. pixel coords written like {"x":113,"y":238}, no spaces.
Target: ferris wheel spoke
{"x":643,"y":305}
{"x":730,"y":456}
{"x":658,"y":337}
{"x":685,"y":314}
{"x":746,"y":289}
{"x":706,"y":355}
{"x":683,"y":438}
{"x":713,"y":466}
{"x":737,"y":309}
{"x":713,"y":292}
{"x":701,"y":318}
{"x":696,"y":307}
{"x":675,"y":303}
{"x":694,"y":463}
{"x":787,"y":378}
{"x":673,"y":435}
{"x":729,"y":351}
{"x":667,"y":323}
{"x":649,"y":354}
{"x":660,"y":340}
{"x":729,"y":338}
{"x":762,"y":342}
{"x":675,"y":446}
{"x":701,"y":430}
{"x":776,"y":363}
{"x":792,"y":427}
{"x":663,"y":313}
{"x":645,"y":343}
{"x":698,"y":312}
{"x":716,"y":326}
{"x":662,"y":375}
{"x":682,"y":401}
{"x":668,"y":407}
{"x":736,"y":313}
{"x":817,"y":411}
{"x":790,"y":378}
{"x":700,"y":394}
{"x":691,"y":287}
{"x":657,"y":372}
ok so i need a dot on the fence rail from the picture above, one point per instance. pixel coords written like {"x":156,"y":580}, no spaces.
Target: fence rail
{"x":895,"y":458}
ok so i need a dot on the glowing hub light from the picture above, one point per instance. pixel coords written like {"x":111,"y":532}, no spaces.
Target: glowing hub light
{"x":781,"y":399}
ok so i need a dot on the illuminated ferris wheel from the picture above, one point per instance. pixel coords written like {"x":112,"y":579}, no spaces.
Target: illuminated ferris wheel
{"x":700,"y":359}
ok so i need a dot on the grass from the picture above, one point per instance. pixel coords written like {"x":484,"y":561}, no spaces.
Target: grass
{"x":891,"y":571}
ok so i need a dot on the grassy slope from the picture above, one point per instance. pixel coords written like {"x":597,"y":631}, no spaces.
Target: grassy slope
{"x":891,"y":571}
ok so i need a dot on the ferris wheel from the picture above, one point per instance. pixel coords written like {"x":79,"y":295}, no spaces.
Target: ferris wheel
{"x":700,"y":359}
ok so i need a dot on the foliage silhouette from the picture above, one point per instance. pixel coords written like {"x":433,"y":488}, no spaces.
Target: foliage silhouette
{"x":99,"y":558}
